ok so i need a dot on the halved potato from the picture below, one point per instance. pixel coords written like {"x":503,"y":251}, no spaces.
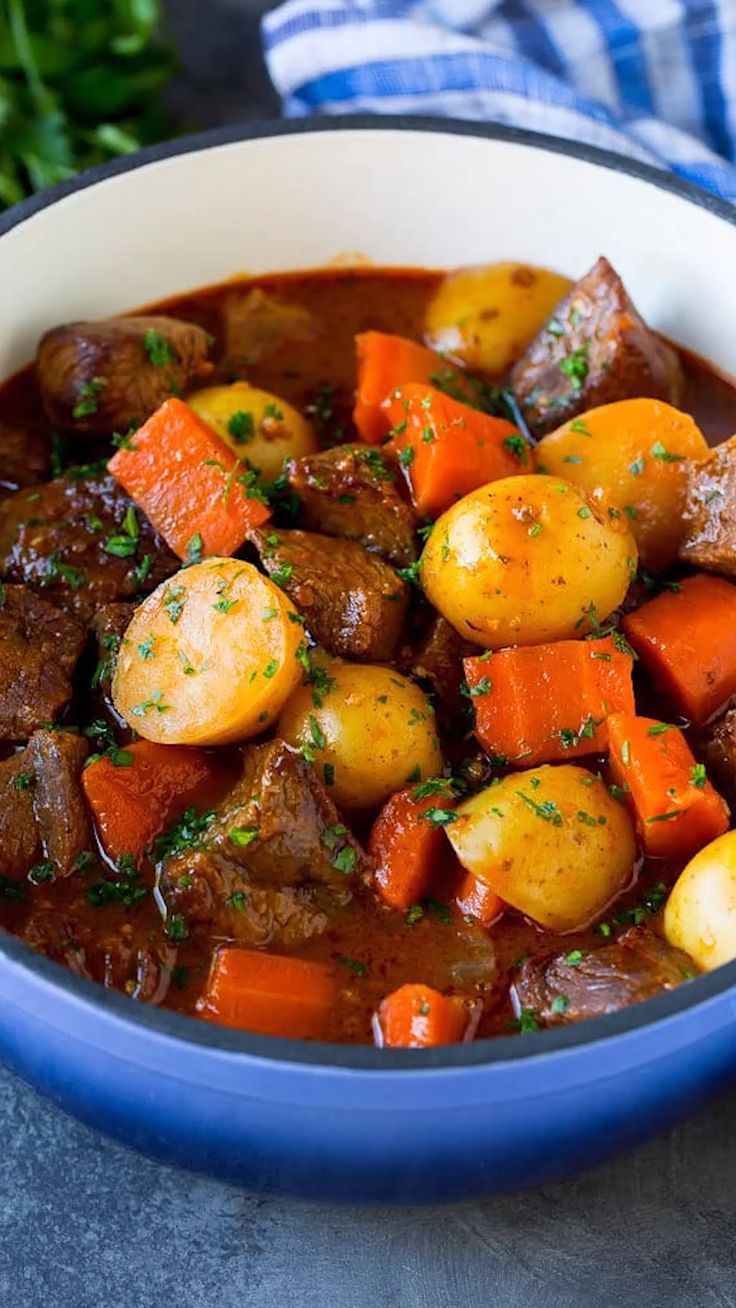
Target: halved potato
{"x":258,"y":426}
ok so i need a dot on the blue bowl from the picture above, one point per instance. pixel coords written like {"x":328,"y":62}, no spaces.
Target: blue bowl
{"x":332,"y":1122}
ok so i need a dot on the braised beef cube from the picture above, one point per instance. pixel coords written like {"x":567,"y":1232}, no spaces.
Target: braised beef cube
{"x":61,"y":812}
{"x":81,"y":544}
{"x":354,"y":604}
{"x":203,"y":890}
{"x":716,"y":745}
{"x":19,"y":843}
{"x":109,"y":625}
{"x":107,"y":376}
{"x":567,"y":987}
{"x":595,"y":348}
{"x":142,"y":971}
{"x":256,"y":324}
{"x":439,"y":659}
{"x":24,"y":457}
{"x":280,"y":823}
{"x":39,"y":649}
{"x":353,"y":491}
{"x":710,"y":512}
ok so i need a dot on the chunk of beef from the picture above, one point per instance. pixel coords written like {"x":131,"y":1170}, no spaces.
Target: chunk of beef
{"x":106,"y":376}
{"x":710,"y":512}
{"x":595,"y":348}
{"x":439,"y":659}
{"x":716,"y":745}
{"x":43,"y":816}
{"x":119,"y":961}
{"x":352,"y":491}
{"x":280,"y":823}
{"x":19,"y":843}
{"x":354,"y":603}
{"x":60,"y":809}
{"x":211,"y":892}
{"x":275,"y":862}
{"x":109,"y":625}
{"x":563,"y":988}
{"x":81,"y":543}
{"x":39,"y":648}
{"x":256,"y":323}
{"x":24,"y":457}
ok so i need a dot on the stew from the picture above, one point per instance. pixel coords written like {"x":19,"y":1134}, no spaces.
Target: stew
{"x":367,"y":654}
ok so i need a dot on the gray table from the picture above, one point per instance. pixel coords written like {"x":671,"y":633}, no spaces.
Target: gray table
{"x":84,"y":1224}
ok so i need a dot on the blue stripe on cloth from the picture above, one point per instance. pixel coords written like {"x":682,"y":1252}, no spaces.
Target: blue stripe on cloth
{"x":624,"y":47}
{"x":704,"y":33}
{"x":518,"y":62}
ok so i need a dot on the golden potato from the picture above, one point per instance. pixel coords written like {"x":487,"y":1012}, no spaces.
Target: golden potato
{"x":552,"y":842}
{"x":636,"y":452}
{"x":209,"y":657}
{"x":700,"y":914}
{"x":258,"y":426}
{"x":525,"y":560}
{"x":487,"y":316}
{"x":370,"y":731}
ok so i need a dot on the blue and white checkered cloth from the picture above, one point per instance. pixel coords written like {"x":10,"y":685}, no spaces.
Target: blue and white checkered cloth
{"x":652,"y":79}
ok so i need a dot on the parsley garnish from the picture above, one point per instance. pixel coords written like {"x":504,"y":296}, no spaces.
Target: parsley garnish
{"x":87,"y":403}
{"x":160,"y":351}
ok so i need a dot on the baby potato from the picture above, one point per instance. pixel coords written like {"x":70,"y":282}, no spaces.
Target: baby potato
{"x":525,"y":560}
{"x":700,"y":914}
{"x":209,"y":657}
{"x":552,"y":842}
{"x":487,"y":316}
{"x":370,"y":730}
{"x":258,"y":426}
{"x":636,"y":452}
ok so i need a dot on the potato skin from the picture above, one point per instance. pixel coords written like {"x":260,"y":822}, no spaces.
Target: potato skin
{"x":637,"y":453}
{"x":210,"y":656}
{"x":487,"y":315}
{"x":378,"y":731}
{"x":700,"y":914}
{"x":269,"y":431}
{"x":522,"y":560}
{"x":537,"y":839}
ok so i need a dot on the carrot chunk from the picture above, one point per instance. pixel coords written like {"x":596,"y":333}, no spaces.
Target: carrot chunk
{"x":477,"y":900}
{"x":269,"y":993}
{"x":187,"y":481}
{"x":132,"y":804}
{"x":539,"y":703}
{"x":448,"y":449}
{"x":675,"y":807}
{"x":385,"y":362}
{"x":686,"y":640}
{"x":416,"y":1016}
{"x":407,"y":849}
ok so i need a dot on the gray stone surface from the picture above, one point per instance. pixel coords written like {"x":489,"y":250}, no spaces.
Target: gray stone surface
{"x":84,"y":1224}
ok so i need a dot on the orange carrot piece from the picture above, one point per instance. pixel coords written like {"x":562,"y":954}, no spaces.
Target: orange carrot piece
{"x":133,"y":804}
{"x":477,"y":900}
{"x":385,"y":362}
{"x":676,"y":809}
{"x":538,"y":703}
{"x":407,"y":850}
{"x":269,"y":993}
{"x":416,"y":1016}
{"x":448,"y":449}
{"x":185,"y":479}
{"x":686,"y":641}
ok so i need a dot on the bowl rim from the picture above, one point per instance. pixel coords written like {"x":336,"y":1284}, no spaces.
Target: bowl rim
{"x":187,"y":1031}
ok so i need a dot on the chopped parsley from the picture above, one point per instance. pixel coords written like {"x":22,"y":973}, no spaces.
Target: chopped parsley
{"x":575,"y":367}
{"x":186,"y":833}
{"x":439,"y":817}
{"x":88,"y":396}
{"x":241,"y":427}
{"x":160,"y":351}
{"x":353,"y":965}
{"x":242,"y":837}
{"x":698,"y":776}
{"x":547,"y":810}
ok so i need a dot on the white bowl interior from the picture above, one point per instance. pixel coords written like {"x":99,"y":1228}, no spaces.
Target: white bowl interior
{"x":416,"y":198}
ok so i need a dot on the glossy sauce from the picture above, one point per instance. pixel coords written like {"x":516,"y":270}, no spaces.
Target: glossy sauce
{"x":373,"y":949}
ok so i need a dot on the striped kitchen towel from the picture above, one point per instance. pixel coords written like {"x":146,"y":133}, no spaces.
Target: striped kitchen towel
{"x":652,"y":79}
